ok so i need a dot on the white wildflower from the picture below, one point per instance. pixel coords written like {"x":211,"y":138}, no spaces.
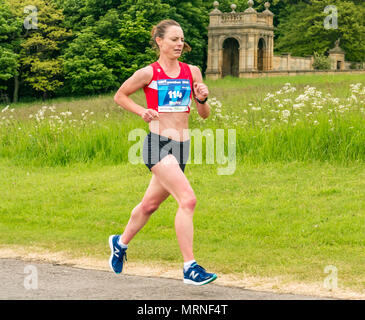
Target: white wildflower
{"x":285,"y":114}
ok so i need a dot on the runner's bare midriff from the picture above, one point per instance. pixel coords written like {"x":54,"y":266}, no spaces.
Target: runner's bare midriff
{"x":173,"y":125}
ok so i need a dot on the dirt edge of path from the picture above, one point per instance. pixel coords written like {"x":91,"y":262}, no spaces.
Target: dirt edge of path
{"x":173,"y":271}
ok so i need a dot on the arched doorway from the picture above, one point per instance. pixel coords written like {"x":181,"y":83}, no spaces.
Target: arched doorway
{"x":230,"y":57}
{"x":261,"y":66}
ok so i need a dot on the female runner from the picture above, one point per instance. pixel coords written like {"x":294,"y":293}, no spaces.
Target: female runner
{"x":169,"y":86}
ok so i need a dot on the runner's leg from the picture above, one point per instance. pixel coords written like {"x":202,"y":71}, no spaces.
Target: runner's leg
{"x":154,"y":196}
{"x":173,"y":179}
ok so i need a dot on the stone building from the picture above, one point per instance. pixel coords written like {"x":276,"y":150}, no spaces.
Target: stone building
{"x":241,"y":44}
{"x":337,"y":56}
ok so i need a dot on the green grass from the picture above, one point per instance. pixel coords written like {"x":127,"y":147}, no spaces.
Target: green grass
{"x":329,"y":134}
{"x":271,"y":219}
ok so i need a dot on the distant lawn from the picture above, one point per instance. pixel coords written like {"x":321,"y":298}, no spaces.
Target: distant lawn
{"x":272,"y":219}
{"x":229,"y":86}
{"x":304,"y":118}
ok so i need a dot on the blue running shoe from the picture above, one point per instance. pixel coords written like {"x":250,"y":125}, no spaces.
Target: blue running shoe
{"x":118,"y":254}
{"x":197,"y":275}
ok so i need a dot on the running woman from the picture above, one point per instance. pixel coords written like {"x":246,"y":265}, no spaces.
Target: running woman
{"x":169,"y":86}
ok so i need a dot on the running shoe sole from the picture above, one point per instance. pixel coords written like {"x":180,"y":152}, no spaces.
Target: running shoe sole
{"x":188,"y":281}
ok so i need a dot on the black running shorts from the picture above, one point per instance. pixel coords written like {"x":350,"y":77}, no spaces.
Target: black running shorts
{"x":156,"y":147}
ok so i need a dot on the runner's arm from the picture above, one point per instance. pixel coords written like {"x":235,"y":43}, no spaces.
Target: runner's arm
{"x":137,"y":81}
{"x":203,"y":109}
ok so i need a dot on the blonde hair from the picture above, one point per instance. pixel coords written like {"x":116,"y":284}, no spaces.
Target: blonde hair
{"x":160,"y":30}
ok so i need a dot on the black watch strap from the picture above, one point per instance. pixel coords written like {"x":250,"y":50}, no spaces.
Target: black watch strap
{"x":201,"y":102}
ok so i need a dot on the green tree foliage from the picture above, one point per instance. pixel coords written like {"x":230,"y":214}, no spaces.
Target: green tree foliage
{"x":73,"y":13}
{"x":113,"y":43}
{"x":111,"y":39}
{"x":10,"y":29}
{"x":303,"y":31}
{"x":39,"y":44}
{"x":88,"y":63}
{"x":321,"y":62}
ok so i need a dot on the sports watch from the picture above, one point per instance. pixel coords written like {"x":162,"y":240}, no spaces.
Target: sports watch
{"x":201,"y":102}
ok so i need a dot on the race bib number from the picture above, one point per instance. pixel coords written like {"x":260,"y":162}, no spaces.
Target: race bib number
{"x":173,"y":95}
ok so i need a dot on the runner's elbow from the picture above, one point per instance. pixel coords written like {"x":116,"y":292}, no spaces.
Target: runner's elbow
{"x":118,"y":98}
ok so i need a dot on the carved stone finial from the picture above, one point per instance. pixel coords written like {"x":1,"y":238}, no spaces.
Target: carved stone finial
{"x":215,"y":11}
{"x":267,"y":11}
{"x":233,"y":7}
{"x":337,"y":48}
{"x":250,"y":9}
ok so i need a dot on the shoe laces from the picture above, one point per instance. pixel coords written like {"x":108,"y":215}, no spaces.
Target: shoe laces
{"x":124,"y":256}
{"x":200,"y":268}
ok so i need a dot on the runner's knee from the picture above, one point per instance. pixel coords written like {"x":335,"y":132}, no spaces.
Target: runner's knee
{"x":149,"y":207}
{"x":188,"y":202}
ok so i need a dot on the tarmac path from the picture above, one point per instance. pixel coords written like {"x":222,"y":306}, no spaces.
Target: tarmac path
{"x":32,"y":280}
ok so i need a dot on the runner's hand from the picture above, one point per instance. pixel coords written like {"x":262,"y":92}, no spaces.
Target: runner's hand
{"x":200,"y":91}
{"x":148,"y":115}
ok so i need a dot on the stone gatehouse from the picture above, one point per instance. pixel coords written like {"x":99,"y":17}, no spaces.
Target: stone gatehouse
{"x":241,"y":44}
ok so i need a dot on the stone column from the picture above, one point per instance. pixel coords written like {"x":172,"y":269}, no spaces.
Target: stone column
{"x":267,"y":53}
{"x":210,"y":54}
{"x":215,"y":54}
{"x":245,"y":50}
{"x":250,"y":52}
{"x":242,"y":54}
{"x":271,"y":53}
{"x":220,"y":56}
{"x":255,"y":44}
{"x":213,"y":57}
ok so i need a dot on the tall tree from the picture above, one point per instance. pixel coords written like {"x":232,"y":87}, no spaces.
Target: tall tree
{"x":10,"y":29}
{"x":39,"y":44}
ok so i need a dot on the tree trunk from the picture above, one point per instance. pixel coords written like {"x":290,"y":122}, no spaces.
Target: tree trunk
{"x":16,"y":89}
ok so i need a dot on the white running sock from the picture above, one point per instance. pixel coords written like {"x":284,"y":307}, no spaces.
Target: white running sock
{"x":187,"y":264}
{"x":124,"y":246}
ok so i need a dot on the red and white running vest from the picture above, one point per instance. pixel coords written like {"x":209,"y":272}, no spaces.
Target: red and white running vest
{"x":165,"y":94}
